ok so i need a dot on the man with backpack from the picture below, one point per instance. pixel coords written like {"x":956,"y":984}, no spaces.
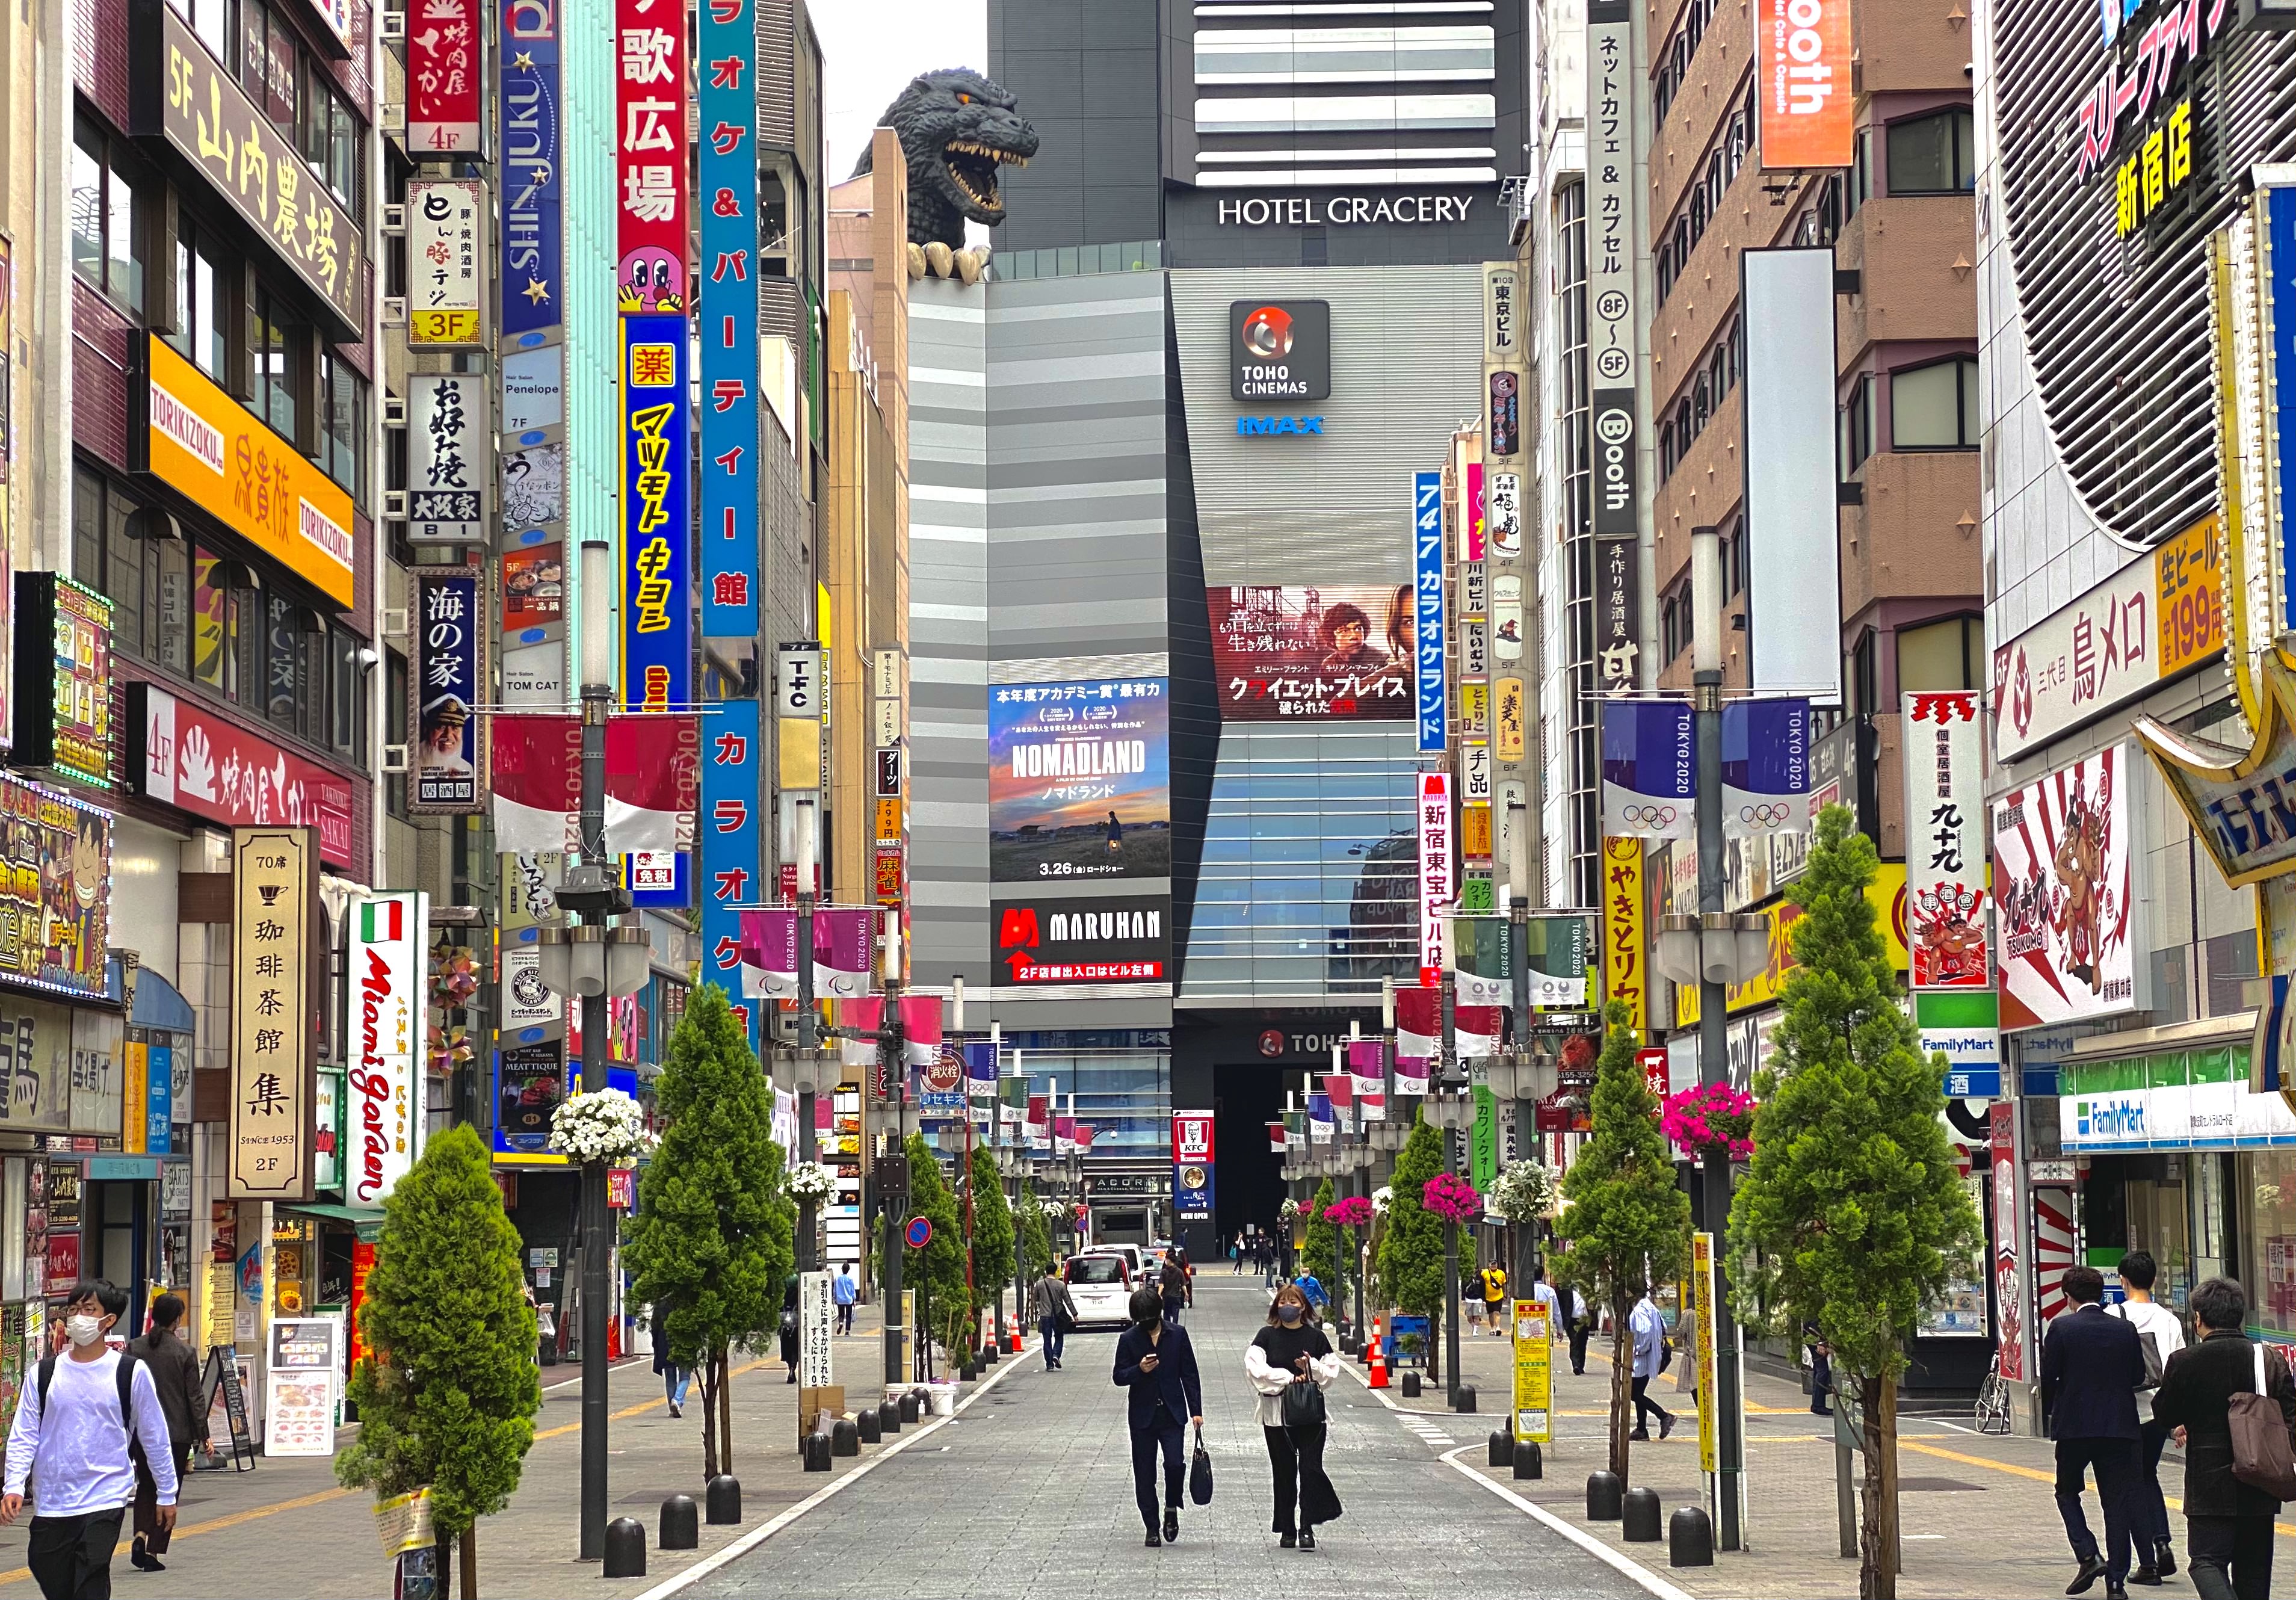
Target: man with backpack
{"x":76,"y":1424}
{"x":2163,"y":1336}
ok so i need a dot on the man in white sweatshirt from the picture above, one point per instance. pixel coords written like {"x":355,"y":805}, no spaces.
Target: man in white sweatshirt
{"x":2156,"y":1323}
{"x":71,"y":1441}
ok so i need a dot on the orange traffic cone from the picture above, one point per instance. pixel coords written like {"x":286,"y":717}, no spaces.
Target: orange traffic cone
{"x":1378,"y":1359}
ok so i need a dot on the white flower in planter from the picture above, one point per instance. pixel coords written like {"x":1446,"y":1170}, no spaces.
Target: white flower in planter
{"x":602,"y":1125}
{"x":812,"y":1180}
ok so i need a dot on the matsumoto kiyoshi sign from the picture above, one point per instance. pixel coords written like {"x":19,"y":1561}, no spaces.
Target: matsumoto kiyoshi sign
{"x":1343,"y":210}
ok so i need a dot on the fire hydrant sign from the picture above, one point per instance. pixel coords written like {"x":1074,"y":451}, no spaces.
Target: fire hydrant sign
{"x":1534,"y":1374}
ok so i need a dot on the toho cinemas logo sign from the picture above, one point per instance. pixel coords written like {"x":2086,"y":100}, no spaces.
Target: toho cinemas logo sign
{"x":1099,"y":939}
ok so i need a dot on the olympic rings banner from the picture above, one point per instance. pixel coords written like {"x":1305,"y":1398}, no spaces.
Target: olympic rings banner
{"x":1765,"y":768}
{"x":1650,"y":770}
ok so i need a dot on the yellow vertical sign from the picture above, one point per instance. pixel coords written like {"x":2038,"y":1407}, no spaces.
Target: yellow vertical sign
{"x":1624,"y":978}
{"x":134,"y":1098}
{"x":1534,"y":1374}
{"x":1509,"y":711}
{"x":1702,"y":1296}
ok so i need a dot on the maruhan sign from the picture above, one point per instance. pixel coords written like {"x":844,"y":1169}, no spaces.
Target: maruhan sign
{"x":1343,"y":210}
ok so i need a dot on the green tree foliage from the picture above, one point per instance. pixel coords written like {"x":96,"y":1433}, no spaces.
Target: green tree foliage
{"x":1625,"y":1224}
{"x":1320,"y":1255}
{"x":448,"y":1395}
{"x":1035,"y":1236}
{"x":1853,"y":1216}
{"x":1410,"y":1244}
{"x":992,"y":1228}
{"x":713,"y":1237}
{"x":936,"y":1272}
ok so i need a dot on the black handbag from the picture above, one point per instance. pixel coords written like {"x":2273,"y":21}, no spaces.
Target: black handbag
{"x":1200,"y":1473}
{"x":1303,"y":1404}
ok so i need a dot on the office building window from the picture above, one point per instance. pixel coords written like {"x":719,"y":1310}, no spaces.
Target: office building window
{"x":1934,"y":408}
{"x":272,"y":341}
{"x":342,"y":401}
{"x":1933,"y":154}
{"x":107,"y":219}
{"x":1939,"y":656}
{"x":202,"y":273}
{"x":1858,"y":425}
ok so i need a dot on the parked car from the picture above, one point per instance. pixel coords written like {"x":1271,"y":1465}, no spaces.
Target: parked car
{"x":1135,"y":1258}
{"x":1100,"y":1282}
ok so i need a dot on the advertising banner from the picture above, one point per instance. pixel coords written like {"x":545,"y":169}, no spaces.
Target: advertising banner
{"x":533,"y":217}
{"x":649,"y":99}
{"x":1793,"y":570}
{"x":1803,"y":104}
{"x":1610,"y":324}
{"x":1765,"y":766}
{"x":2062,"y":882}
{"x":1534,"y":1374}
{"x":183,"y":756}
{"x":1341,"y":653}
{"x":534,"y":592}
{"x":844,"y":950}
{"x":1044,"y":940}
{"x":1650,"y":770}
{"x":1427,"y":623}
{"x":1702,"y":1323}
{"x":382,"y":1135}
{"x":1080,"y":780}
{"x":1944,"y":760}
{"x":1557,"y":953}
{"x":1438,"y":886}
{"x":274,"y":897}
{"x":1192,"y":1171}
{"x":445,"y":78}
{"x":446,"y":766}
{"x":55,"y":894}
{"x":448,"y":463}
{"x":652,"y":772}
{"x":446,"y":256}
{"x":1482,"y":970}
{"x":64,"y":700}
{"x":732,"y":842}
{"x":657,"y":598}
{"x":1625,"y":942}
{"x":1502,"y":510}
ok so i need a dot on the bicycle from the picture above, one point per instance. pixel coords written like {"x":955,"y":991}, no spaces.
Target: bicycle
{"x":1992,"y":1407}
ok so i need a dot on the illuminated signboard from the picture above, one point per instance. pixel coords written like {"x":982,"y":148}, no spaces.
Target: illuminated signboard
{"x":64,"y":678}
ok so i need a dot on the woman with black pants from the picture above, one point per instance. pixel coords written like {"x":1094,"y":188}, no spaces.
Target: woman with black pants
{"x":1156,"y":1367}
{"x":1290,"y":1349}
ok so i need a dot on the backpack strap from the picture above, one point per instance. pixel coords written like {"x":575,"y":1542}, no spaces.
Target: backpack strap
{"x":47,"y":1376}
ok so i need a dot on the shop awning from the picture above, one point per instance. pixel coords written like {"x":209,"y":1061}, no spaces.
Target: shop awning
{"x":366,"y":1218}
{"x":158,"y":1005}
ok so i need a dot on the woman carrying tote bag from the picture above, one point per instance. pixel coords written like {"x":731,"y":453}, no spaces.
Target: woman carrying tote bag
{"x":1291,"y":1363}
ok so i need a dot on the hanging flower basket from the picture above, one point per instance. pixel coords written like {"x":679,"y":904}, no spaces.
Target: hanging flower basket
{"x":1354,"y":1211}
{"x":604,"y":1124}
{"x":1526,"y":1190}
{"x":1453,"y":1199}
{"x":814,"y":1181}
{"x":1381,"y":1198}
{"x":1710,"y":1117}
{"x":1288,"y":1213}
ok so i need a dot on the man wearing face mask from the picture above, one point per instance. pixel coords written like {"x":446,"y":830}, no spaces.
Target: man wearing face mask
{"x":1156,"y":1366}
{"x":71,"y":1440}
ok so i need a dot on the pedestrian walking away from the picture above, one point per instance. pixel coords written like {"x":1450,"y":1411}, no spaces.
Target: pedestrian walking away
{"x":175,"y":1378}
{"x":1292,"y":1349}
{"x":68,"y":1448}
{"x":1055,"y":1315}
{"x":1164,"y":1397}
{"x":2228,"y":1524}
{"x":1495,"y":1294}
{"x":1821,"y":1368}
{"x":845,"y":1291}
{"x":674,"y":1377}
{"x":2164,"y":1334}
{"x":2092,"y":1366}
{"x":1172,"y":1284}
{"x":1651,"y":1356}
{"x":1580,"y":1324}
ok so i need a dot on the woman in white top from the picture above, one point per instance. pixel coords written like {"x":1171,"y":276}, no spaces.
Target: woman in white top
{"x":1291,"y":1348}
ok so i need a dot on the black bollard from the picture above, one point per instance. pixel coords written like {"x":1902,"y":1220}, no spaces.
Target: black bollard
{"x":988,"y":1353}
{"x":625,"y":1548}
{"x":1502,"y":1447}
{"x":681,"y":1523}
{"x":888,"y":1417}
{"x":844,"y":1437}
{"x":1639,"y":1517}
{"x":1466,"y":1398}
{"x":1411,"y":1386}
{"x":1603,"y":1494}
{"x":909,"y":1406}
{"x":869,"y":1425}
{"x":1528,"y":1460}
{"x":722,"y":1499}
{"x":1689,"y":1538}
{"x":969,"y":1371}
{"x":1350,"y":1344}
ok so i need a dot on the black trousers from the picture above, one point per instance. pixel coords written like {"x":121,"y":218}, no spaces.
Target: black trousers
{"x":1579,"y":1332}
{"x":2230,"y":1558}
{"x":2148,"y":1519}
{"x":147,"y":1498}
{"x":1168,"y":1436}
{"x":70,"y":1558}
{"x":1643,"y":1403}
{"x":2115,"y":1461}
{"x":1304,"y":1495}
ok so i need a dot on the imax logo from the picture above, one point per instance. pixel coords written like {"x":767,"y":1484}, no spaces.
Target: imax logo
{"x":1279,"y":424}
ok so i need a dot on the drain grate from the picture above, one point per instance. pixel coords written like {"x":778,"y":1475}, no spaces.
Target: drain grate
{"x":1939,"y":1486}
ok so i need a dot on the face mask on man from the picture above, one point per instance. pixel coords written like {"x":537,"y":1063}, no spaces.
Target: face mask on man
{"x":83,"y":1330}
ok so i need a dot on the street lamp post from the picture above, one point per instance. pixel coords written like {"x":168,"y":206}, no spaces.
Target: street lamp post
{"x":1449,"y":1118}
{"x":808,"y":1139}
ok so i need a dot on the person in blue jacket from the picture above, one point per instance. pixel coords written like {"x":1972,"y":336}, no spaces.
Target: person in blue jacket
{"x":1156,"y":1367}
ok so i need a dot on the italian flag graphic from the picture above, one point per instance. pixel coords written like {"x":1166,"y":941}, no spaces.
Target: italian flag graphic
{"x":382,"y":922}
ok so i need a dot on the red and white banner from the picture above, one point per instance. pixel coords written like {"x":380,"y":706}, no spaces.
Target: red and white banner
{"x":1418,"y":1024}
{"x":1192,"y":1136}
{"x":2063,"y":881}
{"x":383,"y":1124}
{"x":196,"y":761}
{"x":444,"y":77}
{"x":1945,"y":841}
{"x":653,"y":773}
{"x":921,"y":1029}
{"x":1437,"y":889}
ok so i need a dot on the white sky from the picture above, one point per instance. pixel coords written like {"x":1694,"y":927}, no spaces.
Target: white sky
{"x":872,"y":48}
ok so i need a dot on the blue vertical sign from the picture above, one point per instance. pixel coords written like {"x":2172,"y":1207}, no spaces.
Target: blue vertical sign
{"x":159,"y":1098}
{"x":532,"y":253}
{"x":728,"y":838}
{"x":2276,"y":269}
{"x":1427,"y":608}
{"x":657,"y":522}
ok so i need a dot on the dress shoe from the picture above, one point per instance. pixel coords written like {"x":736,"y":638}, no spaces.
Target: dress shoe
{"x":1171,"y":1524}
{"x":1307,"y":1539}
{"x":145,"y":1561}
{"x":2165,"y":1561}
{"x":2147,"y":1575}
{"x":1665,"y":1426}
{"x":2092,"y":1568}
{"x":1288,"y":1540}
{"x":2114,"y":1591}
{"x":1155,"y":1541}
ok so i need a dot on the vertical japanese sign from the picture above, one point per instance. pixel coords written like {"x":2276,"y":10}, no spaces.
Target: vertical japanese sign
{"x":1534,"y":1374}
{"x":532,"y":249}
{"x":649,"y":167}
{"x":1610,"y":378}
{"x":447,"y":763}
{"x":1427,"y":614}
{"x":1945,"y":841}
{"x":531,"y":258}
{"x":1191,"y":1166}
{"x":443,"y":81}
{"x":1623,"y":941}
{"x":657,"y":666}
{"x":7,"y":460}
{"x":446,"y":267}
{"x":730,"y":839}
{"x":382,"y":1132}
{"x":1701,"y":1309}
{"x":275,"y":888}
{"x":1618,"y":613}
{"x":1436,"y":887}
{"x":446,"y":464}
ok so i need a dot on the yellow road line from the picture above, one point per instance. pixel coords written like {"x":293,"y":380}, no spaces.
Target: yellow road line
{"x":2286,"y":1529}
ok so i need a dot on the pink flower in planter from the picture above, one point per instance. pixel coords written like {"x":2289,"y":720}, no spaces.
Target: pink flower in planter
{"x":1713,"y":1115}
{"x":1453,"y":1199}
{"x":1354,"y":1211}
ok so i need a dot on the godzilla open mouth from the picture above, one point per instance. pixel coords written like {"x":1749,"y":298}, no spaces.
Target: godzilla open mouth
{"x":972,"y":168}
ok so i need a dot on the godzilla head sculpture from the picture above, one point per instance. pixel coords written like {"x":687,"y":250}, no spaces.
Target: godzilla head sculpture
{"x":957,"y":129}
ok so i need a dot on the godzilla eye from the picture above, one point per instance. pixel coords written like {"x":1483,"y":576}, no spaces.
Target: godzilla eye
{"x":964,"y":99}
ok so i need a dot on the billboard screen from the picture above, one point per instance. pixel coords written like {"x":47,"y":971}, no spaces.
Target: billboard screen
{"x":1282,"y":653}
{"x":1080,"y":780}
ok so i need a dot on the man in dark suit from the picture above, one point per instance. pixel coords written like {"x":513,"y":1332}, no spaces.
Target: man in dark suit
{"x":1156,"y":1367}
{"x":2091,"y":1366}
{"x":2229,"y":1522}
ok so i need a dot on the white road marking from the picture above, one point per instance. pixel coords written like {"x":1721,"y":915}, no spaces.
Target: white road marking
{"x":1631,"y":1568}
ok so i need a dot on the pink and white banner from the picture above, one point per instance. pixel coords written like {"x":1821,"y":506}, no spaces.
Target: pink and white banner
{"x":653,"y":774}
{"x":844,"y":951}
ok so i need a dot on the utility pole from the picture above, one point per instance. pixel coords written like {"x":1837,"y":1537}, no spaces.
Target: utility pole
{"x":1449,"y":1065}
{"x":893,"y":1168}
{"x":1525,"y":1266}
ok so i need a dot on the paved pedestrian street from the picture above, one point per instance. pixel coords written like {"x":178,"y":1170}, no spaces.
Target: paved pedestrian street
{"x":1029,"y":1495}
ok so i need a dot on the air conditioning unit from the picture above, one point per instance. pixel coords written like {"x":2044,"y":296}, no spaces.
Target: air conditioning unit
{"x":394,"y":411}
{"x":394,"y":26}
{"x":394,"y":505}
{"x":394,"y":621}
{"x":393,"y":310}
{"x":394,"y":215}
{"x":394,"y":758}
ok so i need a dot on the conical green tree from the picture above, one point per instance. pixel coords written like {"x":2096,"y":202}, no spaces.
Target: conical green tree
{"x":1625,"y":1224}
{"x":1320,"y":1255}
{"x":448,"y":1396}
{"x":1411,"y":1243}
{"x":936,"y":1272}
{"x":1035,"y":1236}
{"x":992,"y":1229}
{"x":713,"y":1237}
{"x":1852,"y":1215}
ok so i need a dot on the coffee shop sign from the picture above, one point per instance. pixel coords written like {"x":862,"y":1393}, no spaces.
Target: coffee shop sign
{"x":1344,"y":210}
